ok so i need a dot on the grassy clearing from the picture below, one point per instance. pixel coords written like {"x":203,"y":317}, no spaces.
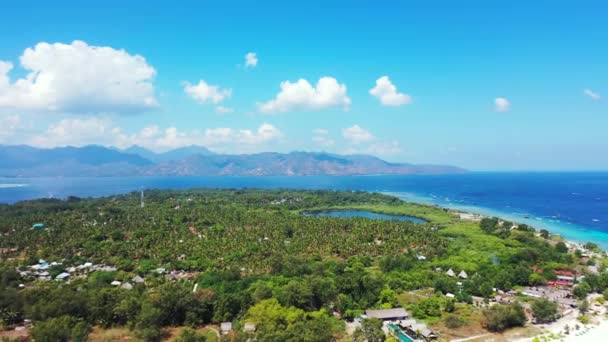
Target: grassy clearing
{"x":470,"y":246}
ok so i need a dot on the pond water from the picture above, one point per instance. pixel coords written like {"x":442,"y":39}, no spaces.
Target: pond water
{"x":364,"y":214}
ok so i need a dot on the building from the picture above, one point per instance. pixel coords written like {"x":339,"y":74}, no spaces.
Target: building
{"x":38,"y":226}
{"x":249,"y":327}
{"x":225,"y":327}
{"x":463,"y":275}
{"x":395,"y":314}
{"x":450,"y":273}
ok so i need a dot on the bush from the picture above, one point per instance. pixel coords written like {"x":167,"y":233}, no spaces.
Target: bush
{"x":428,"y":307}
{"x":64,"y":328}
{"x":190,"y":335}
{"x":500,"y":317}
{"x":453,"y":322}
{"x":544,"y":310}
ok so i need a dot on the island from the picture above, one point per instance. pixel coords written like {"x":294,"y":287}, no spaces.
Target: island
{"x":286,"y":265}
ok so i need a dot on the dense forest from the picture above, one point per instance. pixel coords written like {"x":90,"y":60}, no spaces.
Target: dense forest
{"x":251,"y":256}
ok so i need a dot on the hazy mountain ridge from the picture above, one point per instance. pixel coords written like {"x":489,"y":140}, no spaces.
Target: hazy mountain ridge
{"x":94,"y":161}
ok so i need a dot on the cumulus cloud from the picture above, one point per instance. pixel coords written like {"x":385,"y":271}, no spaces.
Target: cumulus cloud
{"x":78,"y":132}
{"x":78,"y":78}
{"x":102,"y":131}
{"x":501,"y":104}
{"x":251,"y":60}
{"x":320,"y":137}
{"x":593,"y":95}
{"x":223,"y":110}
{"x":357,"y":135}
{"x":387,"y":93}
{"x":301,"y":95}
{"x":224,"y":138}
{"x":207,"y":93}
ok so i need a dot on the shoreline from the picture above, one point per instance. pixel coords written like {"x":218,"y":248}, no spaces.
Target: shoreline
{"x":566,"y":230}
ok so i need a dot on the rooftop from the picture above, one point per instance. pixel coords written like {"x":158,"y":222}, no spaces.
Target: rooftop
{"x":387,"y":313}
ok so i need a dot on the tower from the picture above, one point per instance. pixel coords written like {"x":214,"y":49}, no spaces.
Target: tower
{"x":142,"y":198}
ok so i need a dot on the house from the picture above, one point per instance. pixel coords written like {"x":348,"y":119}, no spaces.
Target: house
{"x":249,"y":327}
{"x":395,"y":314}
{"x":62,"y":276}
{"x":450,"y":295}
{"x":115,"y":283}
{"x":225,"y":327}
{"x":421,"y":257}
{"x":126,"y":286}
{"x":463,"y":275}
{"x":450,"y":273}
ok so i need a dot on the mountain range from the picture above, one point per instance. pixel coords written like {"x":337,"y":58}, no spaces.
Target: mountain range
{"x":98,"y":161}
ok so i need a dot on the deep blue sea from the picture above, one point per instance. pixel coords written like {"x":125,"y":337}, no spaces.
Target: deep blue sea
{"x":574,"y":205}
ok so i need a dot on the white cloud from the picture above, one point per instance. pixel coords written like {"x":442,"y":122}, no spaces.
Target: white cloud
{"x":223,"y":110}
{"x":387,"y":93}
{"x":301,"y":95}
{"x":206,"y":93}
{"x":240,"y":140}
{"x":150,"y":132}
{"x":320,"y":137}
{"x":593,"y":95}
{"x":77,"y":132}
{"x":251,"y":60}
{"x":101,"y":131}
{"x":501,"y":104}
{"x":323,"y":141}
{"x":357,"y":135}
{"x":78,"y":78}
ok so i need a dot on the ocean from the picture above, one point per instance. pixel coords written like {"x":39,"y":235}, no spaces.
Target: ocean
{"x":574,"y":205}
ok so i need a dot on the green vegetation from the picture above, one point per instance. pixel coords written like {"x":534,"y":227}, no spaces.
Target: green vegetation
{"x":250,"y":256}
{"x":502,"y":316}
{"x":544,"y":310}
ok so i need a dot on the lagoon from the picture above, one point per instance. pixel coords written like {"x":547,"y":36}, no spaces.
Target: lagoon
{"x":363,"y":214}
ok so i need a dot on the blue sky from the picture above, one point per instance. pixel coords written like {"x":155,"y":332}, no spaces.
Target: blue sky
{"x":448,"y":61}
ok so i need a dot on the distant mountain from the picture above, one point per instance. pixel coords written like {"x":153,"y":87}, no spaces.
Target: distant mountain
{"x":22,"y":160}
{"x":175,"y":154}
{"x":290,"y":164}
{"x":94,"y":161}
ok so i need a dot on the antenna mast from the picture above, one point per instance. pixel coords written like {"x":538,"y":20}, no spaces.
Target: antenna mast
{"x":142,"y":198}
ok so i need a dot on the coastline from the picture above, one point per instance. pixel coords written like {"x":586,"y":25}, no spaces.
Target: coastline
{"x":571,"y":233}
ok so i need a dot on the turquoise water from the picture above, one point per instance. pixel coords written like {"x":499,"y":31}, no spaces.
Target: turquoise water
{"x":402,"y":337}
{"x":574,"y":205}
{"x":364,"y":214}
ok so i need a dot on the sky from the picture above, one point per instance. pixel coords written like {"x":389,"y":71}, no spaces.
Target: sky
{"x":485,"y":85}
